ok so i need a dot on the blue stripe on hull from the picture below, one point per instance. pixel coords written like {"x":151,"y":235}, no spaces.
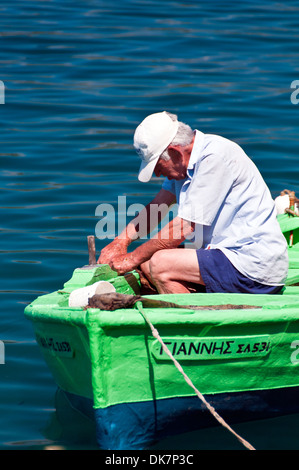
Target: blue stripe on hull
{"x":136,"y":426}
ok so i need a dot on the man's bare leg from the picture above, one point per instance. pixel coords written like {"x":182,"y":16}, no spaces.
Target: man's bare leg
{"x":171,"y":271}
{"x":146,"y":270}
{"x":146,"y":282}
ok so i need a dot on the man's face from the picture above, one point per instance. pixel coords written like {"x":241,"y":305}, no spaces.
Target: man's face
{"x":174,"y":168}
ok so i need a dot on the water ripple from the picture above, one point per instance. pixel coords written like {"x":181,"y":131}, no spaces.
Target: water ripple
{"x":79,"y":77}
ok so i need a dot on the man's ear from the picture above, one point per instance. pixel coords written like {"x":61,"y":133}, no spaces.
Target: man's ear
{"x":175,"y":151}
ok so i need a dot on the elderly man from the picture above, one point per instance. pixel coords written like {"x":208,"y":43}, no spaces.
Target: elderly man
{"x":221,"y":197}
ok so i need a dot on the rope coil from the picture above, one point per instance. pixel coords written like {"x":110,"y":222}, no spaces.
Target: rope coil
{"x":212,"y":410}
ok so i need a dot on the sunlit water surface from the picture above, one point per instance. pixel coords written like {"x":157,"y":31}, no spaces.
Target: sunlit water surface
{"x":78,"y":78}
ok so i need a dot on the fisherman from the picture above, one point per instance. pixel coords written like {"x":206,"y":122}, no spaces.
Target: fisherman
{"x":223,"y":203}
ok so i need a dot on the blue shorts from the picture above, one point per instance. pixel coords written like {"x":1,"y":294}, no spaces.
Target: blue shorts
{"x":219,"y":275}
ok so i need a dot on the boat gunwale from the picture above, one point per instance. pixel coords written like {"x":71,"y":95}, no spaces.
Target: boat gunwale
{"x":278,"y":309}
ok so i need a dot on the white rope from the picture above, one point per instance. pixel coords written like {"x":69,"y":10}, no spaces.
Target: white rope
{"x":212,"y":410}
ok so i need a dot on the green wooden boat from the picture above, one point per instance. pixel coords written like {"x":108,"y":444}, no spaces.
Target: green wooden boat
{"x":245,"y":361}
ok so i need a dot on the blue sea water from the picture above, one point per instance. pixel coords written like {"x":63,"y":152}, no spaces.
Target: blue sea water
{"x":78,"y":79}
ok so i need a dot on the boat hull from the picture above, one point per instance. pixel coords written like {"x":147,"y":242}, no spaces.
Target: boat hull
{"x":239,"y":359}
{"x":138,"y":426}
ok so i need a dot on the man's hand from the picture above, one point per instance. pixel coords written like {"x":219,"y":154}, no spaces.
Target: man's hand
{"x":123,"y":264}
{"x":113,"y":250}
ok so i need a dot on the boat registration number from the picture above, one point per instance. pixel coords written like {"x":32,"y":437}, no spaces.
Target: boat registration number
{"x":56,"y":345}
{"x":212,"y":347}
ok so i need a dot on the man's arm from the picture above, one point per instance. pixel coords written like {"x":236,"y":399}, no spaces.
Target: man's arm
{"x":171,"y":236}
{"x":140,"y":226}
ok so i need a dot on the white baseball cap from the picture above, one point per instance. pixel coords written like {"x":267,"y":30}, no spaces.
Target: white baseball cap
{"x":151,"y":138}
